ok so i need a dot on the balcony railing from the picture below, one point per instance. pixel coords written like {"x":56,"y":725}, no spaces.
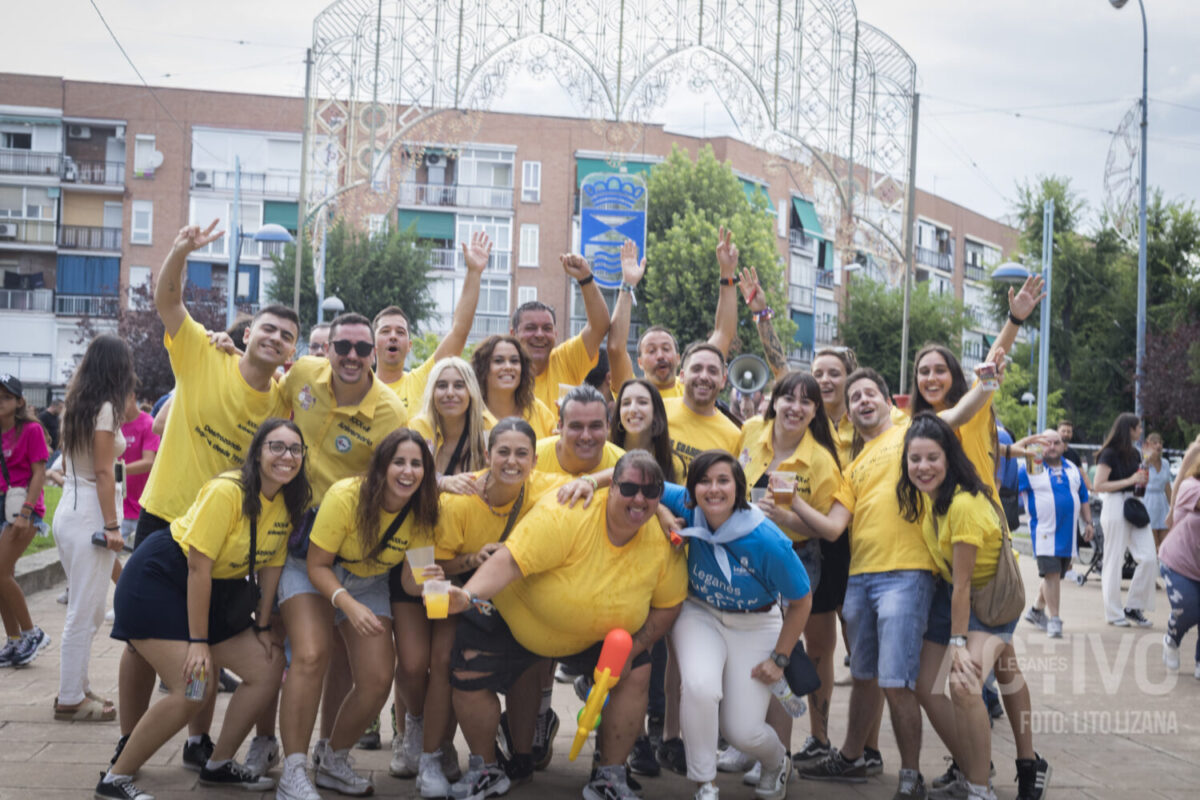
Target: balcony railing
{"x":26,"y":299}
{"x":449,"y":259}
{"x":798,"y":353}
{"x":87,"y":237}
{"x":800,"y":296}
{"x":252,"y":182}
{"x":102,"y":173}
{"x":443,"y":258}
{"x":798,"y":241}
{"x":825,"y":332}
{"x":87,"y":305}
{"x":30,"y":162}
{"x":29,"y":231}
{"x":442,"y":195}
{"x":934,"y":258}
{"x":974,"y":272}
{"x":488,"y":325}
{"x":825,"y":278}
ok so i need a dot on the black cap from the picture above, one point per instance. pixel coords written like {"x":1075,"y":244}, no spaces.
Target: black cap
{"x":12,"y":384}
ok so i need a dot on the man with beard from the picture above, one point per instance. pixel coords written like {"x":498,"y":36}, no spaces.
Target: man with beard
{"x":393,"y":339}
{"x":695,"y":422}
{"x":658,"y":352}
{"x":582,"y":446}
{"x":565,"y":364}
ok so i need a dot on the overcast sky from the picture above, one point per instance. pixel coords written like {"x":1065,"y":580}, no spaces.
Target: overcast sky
{"x":1010,"y":90}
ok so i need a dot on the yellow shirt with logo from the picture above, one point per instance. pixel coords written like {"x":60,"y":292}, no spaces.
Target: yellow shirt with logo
{"x":214,"y":526}
{"x":569,"y":365}
{"x":971,"y":519}
{"x":466,"y":523}
{"x":578,"y":585}
{"x":335,"y":530}
{"x":410,"y":388}
{"x":817,"y":475}
{"x":213,"y":417}
{"x":692,"y":433}
{"x":340,"y":439}
{"x":547,"y":457}
{"x":881,"y":540}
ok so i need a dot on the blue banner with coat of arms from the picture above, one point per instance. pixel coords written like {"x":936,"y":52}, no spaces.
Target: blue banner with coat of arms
{"x":612,"y":209}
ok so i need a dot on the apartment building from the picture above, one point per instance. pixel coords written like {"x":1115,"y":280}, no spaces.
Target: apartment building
{"x":95,"y":180}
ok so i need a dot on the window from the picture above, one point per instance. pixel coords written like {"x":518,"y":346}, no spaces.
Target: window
{"x":144,"y":156}
{"x":526,"y":294}
{"x":141,"y":231}
{"x":139,"y":279}
{"x":283,"y":155}
{"x":498,"y":229}
{"x":529,"y":245}
{"x":16,"y":141}
{"x":376,"y":225}
{"x":531,"y":181}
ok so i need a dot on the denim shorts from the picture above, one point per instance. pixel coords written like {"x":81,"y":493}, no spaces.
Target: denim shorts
{"x":293,"y":580}
{"x":938,"y":629}
{"x":372,"y":592}
{"x":885,"y":615}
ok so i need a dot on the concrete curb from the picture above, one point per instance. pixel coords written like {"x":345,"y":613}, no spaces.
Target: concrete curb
{"x":39,"y":571}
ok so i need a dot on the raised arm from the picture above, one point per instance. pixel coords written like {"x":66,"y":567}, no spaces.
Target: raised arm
{"x":619,"y":362}
{"x":756,"y":299}
{"x":476,"y":258}
{"x":168,"y":290}
{"x":576,"y":266}
{"x":1020,"y":305}
{"x":725,"y":323}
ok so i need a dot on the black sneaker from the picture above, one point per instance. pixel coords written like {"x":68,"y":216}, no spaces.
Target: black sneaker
{"x":235,"y":776}
{"x":117,"y":753}
{"x":543,"y":739}
{"x":195,"y":756}
{"x":370,"y":740}
{"x":672,"y":755}
{"x":835,"y":767}
{"x":1136,"y":616}
{"x":654,"y":728}
{"x":874,"y":761}
{"x":947,"y":778}
{"x":641,"y":759}
{"x":120,"y":790}
{"x":226,"y":682}
{"x":813,"y":751}
{"x":519,"y":768}
{"x":1033,"y":778}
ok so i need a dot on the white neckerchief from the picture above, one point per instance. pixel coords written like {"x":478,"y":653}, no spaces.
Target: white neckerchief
{"x":739,"y":524}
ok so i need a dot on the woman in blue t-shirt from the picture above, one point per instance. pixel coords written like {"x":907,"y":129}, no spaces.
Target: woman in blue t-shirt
{"x":730,"y":638}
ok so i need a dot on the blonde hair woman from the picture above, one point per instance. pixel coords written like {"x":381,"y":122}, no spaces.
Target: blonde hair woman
{"x":454,"y":422}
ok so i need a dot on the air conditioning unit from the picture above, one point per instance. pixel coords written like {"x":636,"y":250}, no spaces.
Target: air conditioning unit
{"x":433,"y":159}
{"x":79,"y":132}
{"x":202,"y":178}
{"x":8,"y":230}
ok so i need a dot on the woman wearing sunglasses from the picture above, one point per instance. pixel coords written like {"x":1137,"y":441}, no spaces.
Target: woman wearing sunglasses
{"x":504,"y":373}
{"x":733,"y":644}
{"x":196,"y":593}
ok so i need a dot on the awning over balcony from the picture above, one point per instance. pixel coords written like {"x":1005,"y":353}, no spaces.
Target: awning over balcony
{"x":751,"y":188}
{"x":280,"y":213}
{"x":94,"y":275}
{"x":429,"y":224}
{"x":586,"y":166}
{"x":809,"y":220}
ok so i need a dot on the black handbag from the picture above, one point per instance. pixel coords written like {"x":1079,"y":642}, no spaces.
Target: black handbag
{"x":1135,"y":512}
{"x":240,"y":602}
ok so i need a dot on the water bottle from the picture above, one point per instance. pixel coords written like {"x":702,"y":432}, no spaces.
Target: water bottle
{"x":794,"y":706}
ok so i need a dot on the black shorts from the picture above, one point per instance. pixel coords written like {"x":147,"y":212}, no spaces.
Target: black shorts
{"x":1053,"y":564}
{"x":151,"y":597}
{"x":396,"y":587}
{"x":835,"y":573}
{"x":147,"y":524}
{"x":502,"y":659}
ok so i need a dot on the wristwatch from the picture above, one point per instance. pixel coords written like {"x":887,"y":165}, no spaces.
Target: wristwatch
{"x":781,"y":660}
{"x":958,"y":641}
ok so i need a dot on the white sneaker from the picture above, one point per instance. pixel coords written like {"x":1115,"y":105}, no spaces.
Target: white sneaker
{"x":774,"y":782}
{"x":62,"y":597}
{"x":1054,"y":628}
{"x":449,"y":758}
{"x":431,"y":782}
{"x":1171,"y":654}
{"x":406,"y":749}
{"x":262,"y":755}
{"x":294,"y":783}
{"x":733,"y":760}
{"x":980,"y":792}
{"x":1196,"y":674}
{"x":753,"y":775}
{"x":337,"y":772}
{"x":707,"y":791}
{"x":110,"y":616}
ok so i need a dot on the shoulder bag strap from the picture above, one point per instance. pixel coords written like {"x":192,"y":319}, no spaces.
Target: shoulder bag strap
{"x":253,"y":549}
{"x":452,"y":467}
{"x":395,"y":526}
{"x":512,"y":515}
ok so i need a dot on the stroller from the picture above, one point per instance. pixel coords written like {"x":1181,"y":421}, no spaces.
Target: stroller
{"x":1097,"y":547}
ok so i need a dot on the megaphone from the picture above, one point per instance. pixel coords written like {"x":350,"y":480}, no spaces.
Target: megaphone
{"x":748,"y":373}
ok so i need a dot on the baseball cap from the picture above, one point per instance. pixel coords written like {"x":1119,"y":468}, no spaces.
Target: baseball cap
{"x":12,"y":384}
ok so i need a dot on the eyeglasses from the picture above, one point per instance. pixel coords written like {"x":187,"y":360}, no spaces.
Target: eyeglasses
{"x":278,"y":448}
{"x":343,"y":347}
{"x":649,"y":490}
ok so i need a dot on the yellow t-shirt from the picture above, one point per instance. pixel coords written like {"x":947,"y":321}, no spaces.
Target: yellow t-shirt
{"x":410,"y":388}
{"x":971,"y":519}
{"x":340,"y":439}
{"x":881,"y":540}
{"x":817,"y":474}
{"x":214,"y":526}
{"x":843,"y":433}
{"x":578,"y":586}
{"x":466,"y":524}
{"x":977,"y":436}
{"x":335,"y":530}
{"x":569,"y":365}
{"x":547,"y":456}
{"x":692,"y":434}
{"x":424,"y":426}
{"x":541,"y":418}
{"x":213,"y":417}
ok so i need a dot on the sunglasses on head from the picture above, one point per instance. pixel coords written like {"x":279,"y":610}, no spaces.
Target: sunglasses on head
{"x":343,"y":347}
{"x":648,"y":490}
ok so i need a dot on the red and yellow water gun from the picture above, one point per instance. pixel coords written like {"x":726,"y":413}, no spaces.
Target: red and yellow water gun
{"x":613,"y":656}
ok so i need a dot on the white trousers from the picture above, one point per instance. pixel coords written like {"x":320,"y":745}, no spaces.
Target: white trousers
{"x":89,"y":570}
{"x":1119,"y":535}
{"x":717,"y":650}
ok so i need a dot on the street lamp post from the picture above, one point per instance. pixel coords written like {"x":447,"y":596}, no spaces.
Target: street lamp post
{"x":267,"y":233}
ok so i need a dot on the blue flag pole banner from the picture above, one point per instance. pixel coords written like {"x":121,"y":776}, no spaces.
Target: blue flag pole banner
{"x":612,"y":209}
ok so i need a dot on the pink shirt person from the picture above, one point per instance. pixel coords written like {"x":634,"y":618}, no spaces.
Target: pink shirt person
{"x":139,"y":440}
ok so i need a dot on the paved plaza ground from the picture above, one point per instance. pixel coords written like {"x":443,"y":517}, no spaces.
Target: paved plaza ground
{"x":1110,"y":719}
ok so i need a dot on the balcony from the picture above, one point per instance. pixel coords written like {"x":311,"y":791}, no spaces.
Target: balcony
{"x":825,"y":278}
{"x":452,"y":259}
{"x":251,"y":183}
{"x":442,"y":195}
{"x":95,"y":173}
{"x":485,"y":325}
{"x":800,"y":296}
{"x":87,"y":305}
{"x":974,"y":272}
{"x":825,"y":332}
{"x":30,"y":162}
{"x":800,"y":355}
{"x":27,"y":231}
{"x":798,"y":241}
{"x":934,"y":258}
{"x":87,"y":237}
{"x":26,"y":299}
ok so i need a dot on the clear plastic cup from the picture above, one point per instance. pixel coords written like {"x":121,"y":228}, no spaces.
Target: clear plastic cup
{"x":783,"y":486}
{"x":419,"y":558}
{"x":437,"y":598}
{"x":757,"y":494}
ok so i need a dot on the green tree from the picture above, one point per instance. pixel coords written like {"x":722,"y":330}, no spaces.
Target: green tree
{"x":689,"y":202}
{"x":1172,"y":262}
{"x":871,"y":325}
{"x":365,"y":272}
{"x":1020,"y":417}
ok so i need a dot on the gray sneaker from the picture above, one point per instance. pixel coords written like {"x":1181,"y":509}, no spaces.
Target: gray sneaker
{"x":911,"y":789}
{"x":608,"y":783}
{"x":337,"y":772}
{"x":431,"y":782}
{"x":7,"y":653}
{"x":480,"y":781}
{"x":1054,"y":628}
{"x":262,"y":755}
{"x":1037,"y":616}
{"x":30,"y":646}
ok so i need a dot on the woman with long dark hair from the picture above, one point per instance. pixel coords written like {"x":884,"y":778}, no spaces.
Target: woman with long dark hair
{"x":504,"y":371}
{"x":639,"y":422}
{"x":940,"y":487}
{"x":90,"y":505}
{"x":1118,"y":474}
{"x":200,"y":592}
